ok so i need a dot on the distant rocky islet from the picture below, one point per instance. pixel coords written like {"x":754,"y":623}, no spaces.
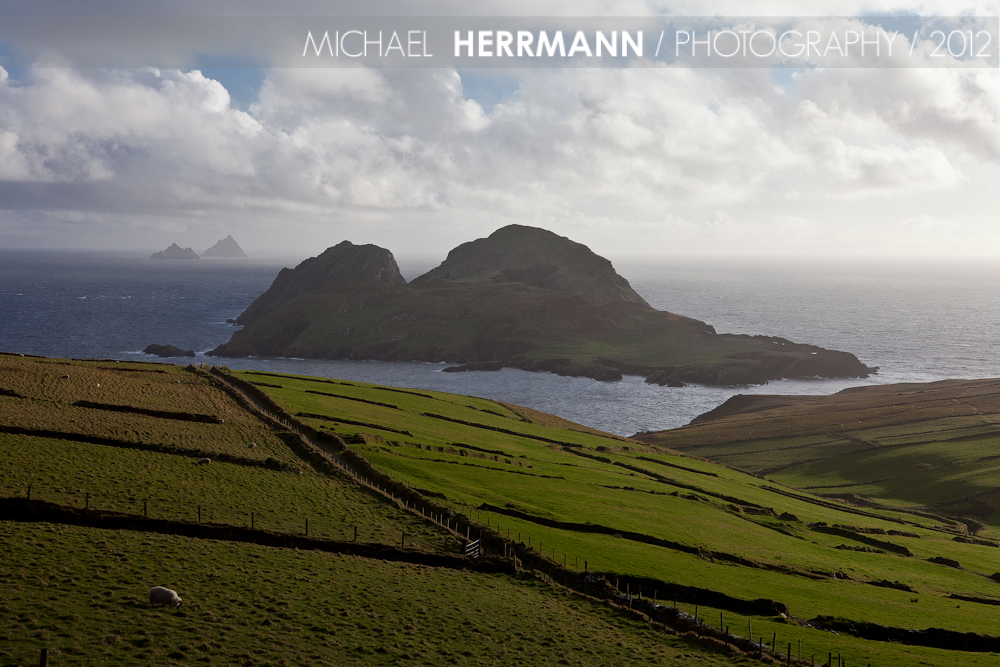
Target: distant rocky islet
{"x":224,"y":248}
{"x":175,"y":252}
{"x":227,"y":247}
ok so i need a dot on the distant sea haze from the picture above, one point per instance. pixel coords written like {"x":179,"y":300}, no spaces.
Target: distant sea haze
{"x":918,"y":321}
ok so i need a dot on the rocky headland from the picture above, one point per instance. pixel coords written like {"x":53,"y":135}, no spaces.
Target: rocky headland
{"x":523,"y":298}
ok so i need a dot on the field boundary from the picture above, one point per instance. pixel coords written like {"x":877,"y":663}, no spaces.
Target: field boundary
{"x":142,"y":446}
{"x":146,"y":412}
{"x":38,"y":511}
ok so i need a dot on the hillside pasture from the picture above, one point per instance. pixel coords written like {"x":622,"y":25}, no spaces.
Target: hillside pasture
{"x":255,"y":606}
{"x":638,"y":512}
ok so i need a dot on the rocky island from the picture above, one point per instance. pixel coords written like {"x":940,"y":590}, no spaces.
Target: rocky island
{"x":167,"y":351}
{"x":175,"y":252}
{"x":523,"y":298}
{"x":227,"y":247}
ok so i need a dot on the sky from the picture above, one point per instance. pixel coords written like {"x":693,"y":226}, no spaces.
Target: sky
{"x":664,"y":160}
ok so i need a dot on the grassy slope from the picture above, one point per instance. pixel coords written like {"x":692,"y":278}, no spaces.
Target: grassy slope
{"x":517,"y":472}
{"x":173,"y":486}
{"x":935,"y":446}
{"x":252,"y":605}
{"x":546,"y":480}
{"x":82,"y":591}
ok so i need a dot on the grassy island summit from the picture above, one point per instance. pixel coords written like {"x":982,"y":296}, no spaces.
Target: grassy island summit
{"x":523,"y":298}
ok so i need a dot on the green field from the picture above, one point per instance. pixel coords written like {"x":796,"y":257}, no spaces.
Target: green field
{"x":932,"y":448}
{"x":529,"y":480}
{"x":650,"y":520}
{"x":83,"y":593}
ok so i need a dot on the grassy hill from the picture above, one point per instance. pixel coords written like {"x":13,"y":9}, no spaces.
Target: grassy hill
{"x":659,"y":521}
{"x":928,"y":447}
{"x":591,"y":519}
{"x":78,"y":588}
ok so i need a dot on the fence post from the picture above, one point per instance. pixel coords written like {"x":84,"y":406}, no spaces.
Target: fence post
{"x":307,"y":525}
{"x":774,"y":642}
{"x":199,"y":513}
{"x":251,"y":520}
{"x":29,"y":498}
{"x":789,"y":653}
{"x":145,"y":513}
{"x":720,"y":621}
{"x":402,"y":541}
{"x":355,"y":533}
{"x":43,"y":659}
{"x":87,"y":502}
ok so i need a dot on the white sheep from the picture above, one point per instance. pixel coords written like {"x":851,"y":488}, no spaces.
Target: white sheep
{"x":252,"y":445}
{"x":164,"y":597}
{"x":204,"y":462}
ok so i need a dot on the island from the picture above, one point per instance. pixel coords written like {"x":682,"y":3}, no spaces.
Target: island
{"x":175,"y":252}
{"x":522,"y":298}
{"x":167,"y":351}
{"x":227,"y":247}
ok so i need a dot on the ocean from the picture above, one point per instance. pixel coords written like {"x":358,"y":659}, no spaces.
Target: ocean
{"x":918,"y":320}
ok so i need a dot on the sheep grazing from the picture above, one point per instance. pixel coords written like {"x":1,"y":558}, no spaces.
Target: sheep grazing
{"x":63,"y":377}
{"x":252,"y":445}
{"x":164,"y":597}
{"x":204,"y":462}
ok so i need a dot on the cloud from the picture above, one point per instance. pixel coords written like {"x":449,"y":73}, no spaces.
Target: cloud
{"x":396,"y":152}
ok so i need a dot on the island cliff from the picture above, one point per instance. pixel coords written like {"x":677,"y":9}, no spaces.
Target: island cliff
{"x":523,"y":298}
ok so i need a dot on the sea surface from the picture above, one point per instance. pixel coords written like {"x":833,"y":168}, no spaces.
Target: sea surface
{"x":917,"y":320}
